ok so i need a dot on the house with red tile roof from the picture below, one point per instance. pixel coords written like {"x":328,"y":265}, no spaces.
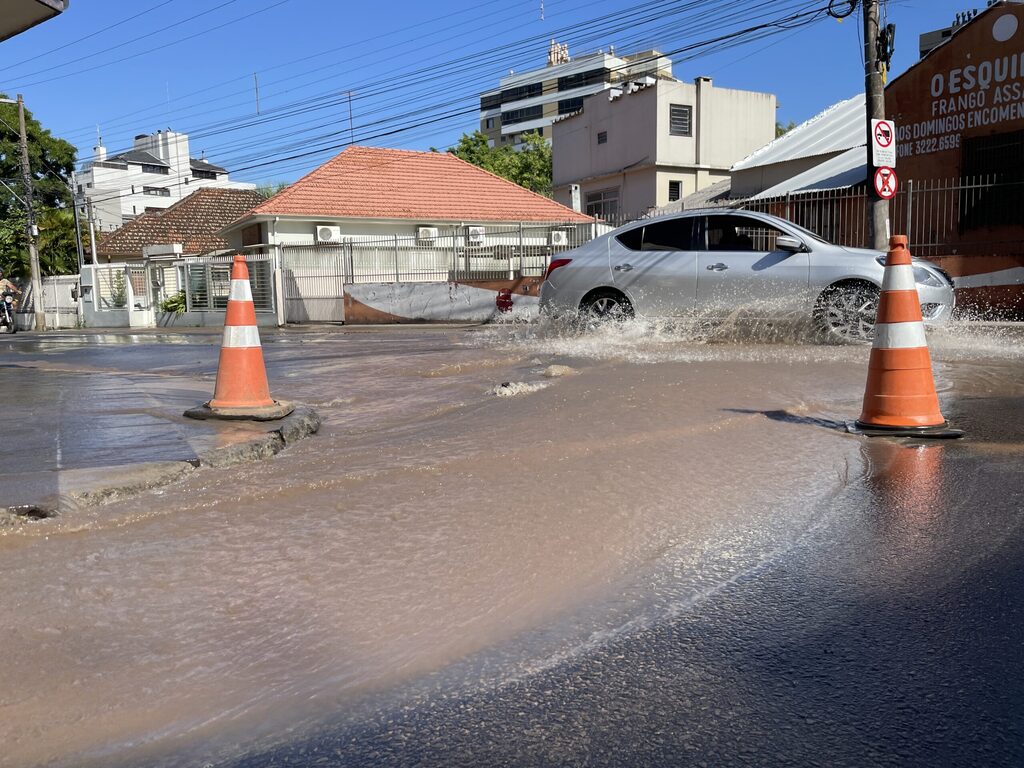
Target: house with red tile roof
{"x":371,"y":192}
{"x":192,"y":223}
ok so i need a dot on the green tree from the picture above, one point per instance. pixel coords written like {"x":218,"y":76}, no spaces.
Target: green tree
{"x":51,"y":161}
{"x":529,"y":167}
{"x":270,"y":188}
{"x":781,"y":130}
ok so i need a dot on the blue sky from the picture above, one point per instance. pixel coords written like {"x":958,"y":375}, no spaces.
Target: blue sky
{"x":411,"y":71}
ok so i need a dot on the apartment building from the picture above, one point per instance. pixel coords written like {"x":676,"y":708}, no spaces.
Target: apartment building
{"x":646,"y":143}
{"x":154,"y":174}
{"x":532,"y":101}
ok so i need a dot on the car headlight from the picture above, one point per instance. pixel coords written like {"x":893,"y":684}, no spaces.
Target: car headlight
{"x":923,"y":276}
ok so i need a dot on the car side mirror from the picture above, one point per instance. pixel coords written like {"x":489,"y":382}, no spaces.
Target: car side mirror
{"x":787,"y":243}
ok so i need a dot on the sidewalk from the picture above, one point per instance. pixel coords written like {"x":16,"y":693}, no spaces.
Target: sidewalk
{"x":78,"y":435}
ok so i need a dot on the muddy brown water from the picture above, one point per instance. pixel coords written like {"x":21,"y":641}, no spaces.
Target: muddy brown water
{"x":430,"y":520}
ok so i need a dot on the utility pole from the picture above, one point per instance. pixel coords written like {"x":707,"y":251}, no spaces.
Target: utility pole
{"x":877,"y":208}
{"x":30,"y":223}
{"x":78,"y":224}
{"x":92,"y":236}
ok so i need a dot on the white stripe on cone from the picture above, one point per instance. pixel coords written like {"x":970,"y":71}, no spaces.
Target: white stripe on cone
{"x":241,"y":336}
{"x":899,"y":336}
{"x":899,"y":278}
{"x":240,"y":291}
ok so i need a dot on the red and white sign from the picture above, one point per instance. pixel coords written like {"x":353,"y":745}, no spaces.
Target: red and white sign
{"x":883,"y":143}
{"x":886,"y":182}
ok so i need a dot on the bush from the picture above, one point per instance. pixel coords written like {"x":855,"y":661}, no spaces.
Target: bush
{"x":175,"y":303}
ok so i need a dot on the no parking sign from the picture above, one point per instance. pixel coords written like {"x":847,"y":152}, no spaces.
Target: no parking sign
{"x":886,"y":183}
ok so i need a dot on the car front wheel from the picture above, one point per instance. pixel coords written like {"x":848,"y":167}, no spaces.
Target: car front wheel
{"x":847,"y":312}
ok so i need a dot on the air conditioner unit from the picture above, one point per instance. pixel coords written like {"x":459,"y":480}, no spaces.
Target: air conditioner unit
{"x":328,"y":234}
{"x":559,"y":237}
{"x":426,"y":233}
{"x":475,"y":235}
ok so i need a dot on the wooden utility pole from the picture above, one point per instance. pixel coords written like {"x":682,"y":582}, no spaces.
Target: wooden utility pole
{"x":30,"y":224}
{"x":877,"y":208}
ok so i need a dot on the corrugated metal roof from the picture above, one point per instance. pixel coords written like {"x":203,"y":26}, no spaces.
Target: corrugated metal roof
{"x":838,"y":172}
{"x":838,"y":128}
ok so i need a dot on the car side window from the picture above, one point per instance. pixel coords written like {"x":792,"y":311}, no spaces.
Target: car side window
{"x":669,"y":235}
{"x":731,"y":232}
{"x":632,"y":239}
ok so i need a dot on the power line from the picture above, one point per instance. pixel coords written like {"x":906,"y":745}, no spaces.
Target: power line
{"x":103,"y":29}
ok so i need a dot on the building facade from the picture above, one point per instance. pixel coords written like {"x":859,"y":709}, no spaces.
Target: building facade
{"x":154,"y":174}
{"x":648,"y":143}
{"x":532,"y":101}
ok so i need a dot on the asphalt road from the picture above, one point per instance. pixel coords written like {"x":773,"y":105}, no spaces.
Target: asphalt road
{"x":891,"y":635}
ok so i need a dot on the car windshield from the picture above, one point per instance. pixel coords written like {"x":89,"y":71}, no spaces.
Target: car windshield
{"x":808,"y":232}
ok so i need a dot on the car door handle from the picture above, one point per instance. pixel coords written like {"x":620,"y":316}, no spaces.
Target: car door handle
{"x":623,"y":267}
{"x":719,"y":267}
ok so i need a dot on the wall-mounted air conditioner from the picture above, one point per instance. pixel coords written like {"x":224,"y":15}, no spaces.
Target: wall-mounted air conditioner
{"x":328,"y":234}
{"x":426,"y":234}
{"x":559,"y":237}
{"x":475,"y":235}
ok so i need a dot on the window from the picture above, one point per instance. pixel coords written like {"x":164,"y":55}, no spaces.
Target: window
{"x":522,"y":92}
{"x":490,"y":101}
{"x":1000,"y":160}
{"x":680,"y":120}
{"x":668,"y":235}
{"x":674,"y":190}
{"x":161,"y":169}
{"x":602,"y":137}
{"x":731,"y":232}
{"x":591,"y":77}
{"x":603,"y":204}
{"x":204,"y":175}
{"x":522,"y":115}
{"x":490,"y":122}
{"x":156,"y":191}
{"x":566,"y":106}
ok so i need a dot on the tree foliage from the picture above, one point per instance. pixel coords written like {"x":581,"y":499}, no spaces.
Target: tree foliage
{"x":51,"y":161}
{"x":782,"y":130}
{"x":529,"y":166}
{"x":268,"y":189}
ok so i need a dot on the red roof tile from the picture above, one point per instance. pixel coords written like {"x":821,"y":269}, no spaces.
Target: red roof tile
{"x":364,"y":182}
{"x":193,"y":221}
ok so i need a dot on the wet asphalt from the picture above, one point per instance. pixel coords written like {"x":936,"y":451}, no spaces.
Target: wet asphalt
{"x":892,"y":634}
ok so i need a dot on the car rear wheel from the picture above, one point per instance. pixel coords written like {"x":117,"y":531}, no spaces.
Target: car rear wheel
{"x":847,"y":312}
{"x":606,"y":305}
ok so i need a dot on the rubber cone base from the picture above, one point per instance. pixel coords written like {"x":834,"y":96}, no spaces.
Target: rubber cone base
{"x":261,"y":413}
{"x":938,"y":432}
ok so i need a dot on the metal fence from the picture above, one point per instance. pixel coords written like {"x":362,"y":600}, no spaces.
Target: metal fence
{"x":939,"y":217}
{"x":207,"y":281}
{"x":458,"y":253}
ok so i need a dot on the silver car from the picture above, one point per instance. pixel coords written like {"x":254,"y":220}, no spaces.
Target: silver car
{"x":724,"y":263}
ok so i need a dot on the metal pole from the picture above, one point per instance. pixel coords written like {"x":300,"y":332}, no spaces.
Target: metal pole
{"x":78,"y":225}
{"x":92,"y":233}
{"x":878,"y":209}
{"x":30,"y":224}
{"x":910,"y":209}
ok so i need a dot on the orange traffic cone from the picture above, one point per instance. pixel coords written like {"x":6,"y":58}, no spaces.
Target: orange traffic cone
{"x":241,"y":391}
{"x":900,"y":399}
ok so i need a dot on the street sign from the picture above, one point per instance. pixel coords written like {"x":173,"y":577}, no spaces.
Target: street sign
{"x":883,"y":143}
{"x":886,"y":183}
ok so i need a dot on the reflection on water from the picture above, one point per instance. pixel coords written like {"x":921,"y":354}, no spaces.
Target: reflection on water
{"x":428,"y":521}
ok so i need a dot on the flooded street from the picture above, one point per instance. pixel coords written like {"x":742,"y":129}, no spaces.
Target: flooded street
{"x":486,"y":517}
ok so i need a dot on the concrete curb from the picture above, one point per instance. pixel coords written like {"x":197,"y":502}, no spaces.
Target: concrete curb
{"x":124,"y":481}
